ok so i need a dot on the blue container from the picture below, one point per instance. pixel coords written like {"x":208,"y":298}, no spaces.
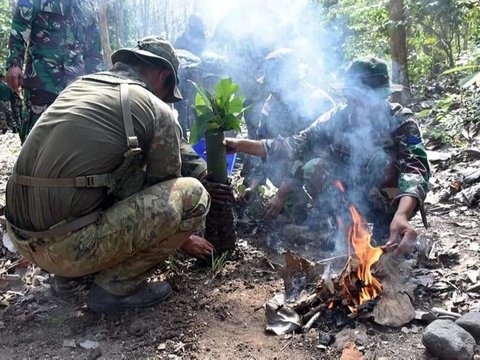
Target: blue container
{"x":200,"y":150}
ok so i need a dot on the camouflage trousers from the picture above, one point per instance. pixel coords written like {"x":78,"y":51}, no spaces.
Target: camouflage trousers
{"x":35,"y":103}
{"x":130,"y":239}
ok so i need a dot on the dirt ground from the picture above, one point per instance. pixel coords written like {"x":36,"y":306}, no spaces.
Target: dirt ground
{"x":221,"y":316}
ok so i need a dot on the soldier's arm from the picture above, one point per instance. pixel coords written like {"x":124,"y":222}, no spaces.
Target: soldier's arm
{"x":163,"y":156}
{"x":414,"y":170}
{"x":92,"y":48}
{"x":192,"y":164}
{"x":20,"y":32}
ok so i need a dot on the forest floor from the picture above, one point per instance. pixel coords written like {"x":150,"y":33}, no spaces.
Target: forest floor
{"x":221,"y":316}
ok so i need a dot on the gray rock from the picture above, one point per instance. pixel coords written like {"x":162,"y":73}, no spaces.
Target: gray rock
{"x":447,"y":340}
{"x":471,"y":323}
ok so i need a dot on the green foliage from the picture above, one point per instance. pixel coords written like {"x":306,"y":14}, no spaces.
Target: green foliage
{"x":360,"y":26}
{"x":218,"y":263}
{"x":224,"y":110}
{"x":5,"y":25}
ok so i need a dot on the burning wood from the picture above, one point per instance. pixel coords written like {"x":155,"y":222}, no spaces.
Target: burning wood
{"x":311,"y":289}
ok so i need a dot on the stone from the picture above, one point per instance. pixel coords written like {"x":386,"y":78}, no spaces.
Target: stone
{"x":346,"y":336}
{"x":471,"y":323}
{"x":447,"y":340}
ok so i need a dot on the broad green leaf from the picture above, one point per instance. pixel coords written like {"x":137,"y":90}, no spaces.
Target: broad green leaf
{"x":198,"y":127}
{"x":200,"y":92}
{"x":203,"y":109}
{"x":236,"y":104}
{"x":468,"y":81}
{"x":225,"y":89}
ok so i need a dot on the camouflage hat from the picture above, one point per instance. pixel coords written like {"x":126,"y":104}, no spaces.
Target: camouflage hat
{"x":157,"y":51}
{"x":367,"y":75}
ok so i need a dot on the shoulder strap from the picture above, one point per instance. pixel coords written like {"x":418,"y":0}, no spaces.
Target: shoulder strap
{"x":132,"y":140}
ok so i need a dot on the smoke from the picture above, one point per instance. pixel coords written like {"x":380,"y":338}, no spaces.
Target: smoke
{"x":246,"y":31}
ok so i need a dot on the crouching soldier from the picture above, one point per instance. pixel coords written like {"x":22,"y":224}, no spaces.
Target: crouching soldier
{"x":373,"y":147}
{"x":97,"y":187}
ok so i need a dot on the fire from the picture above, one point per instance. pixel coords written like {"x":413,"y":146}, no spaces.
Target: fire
{"x":360,"y":239}
{"x":367,"y":255}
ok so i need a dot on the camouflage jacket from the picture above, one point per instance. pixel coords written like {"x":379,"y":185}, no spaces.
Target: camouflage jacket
{"x":381,"y":150}
{"x":285,"y":116}
{"x":61,"y":39}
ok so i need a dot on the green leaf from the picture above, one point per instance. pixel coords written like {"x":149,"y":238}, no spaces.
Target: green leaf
{"x":236,"y":104}
{"x":199,"y":126}
{"x":468,"y":81}
{"x":460,"y":68}
{"x":203,"y":109}
{"x":231,"y":122}
{"x":225,"y":89}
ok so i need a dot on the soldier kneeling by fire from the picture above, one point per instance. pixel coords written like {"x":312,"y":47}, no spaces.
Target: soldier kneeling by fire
{"x":97,"y":187}
{"x":371,"y":147}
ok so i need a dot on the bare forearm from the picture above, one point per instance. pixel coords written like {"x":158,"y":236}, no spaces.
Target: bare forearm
{"x":406,"y":206}
{"x":252,"y":147}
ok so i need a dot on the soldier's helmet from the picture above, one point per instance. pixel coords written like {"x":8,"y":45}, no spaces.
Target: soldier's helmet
{"x":157,"y":51}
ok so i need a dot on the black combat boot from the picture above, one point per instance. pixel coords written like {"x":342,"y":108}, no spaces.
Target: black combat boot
{"x":102,"y":301}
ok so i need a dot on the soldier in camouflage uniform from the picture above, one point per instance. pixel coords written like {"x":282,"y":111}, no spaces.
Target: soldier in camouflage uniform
{"x":122,"y":223}
{"x":291,"y":106}
{"x":61,"y":40}
{"x":372,"y":146}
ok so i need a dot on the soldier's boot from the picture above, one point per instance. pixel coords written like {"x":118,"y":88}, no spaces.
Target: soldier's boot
{"x":102,"y":301}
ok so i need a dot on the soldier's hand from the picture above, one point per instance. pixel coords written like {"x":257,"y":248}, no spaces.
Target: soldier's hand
{"x":402,"y":235}
{"x":274,"y":207}
{"x":198,"y":247}
{"x":246,"y":196}
{"x":15,"y":79}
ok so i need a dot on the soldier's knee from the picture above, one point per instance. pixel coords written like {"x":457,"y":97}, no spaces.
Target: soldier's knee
{"x":195,"y":197}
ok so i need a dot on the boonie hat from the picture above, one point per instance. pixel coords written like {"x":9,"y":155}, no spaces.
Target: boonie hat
{"x":367,"y":75}
{"x":154,"y":50}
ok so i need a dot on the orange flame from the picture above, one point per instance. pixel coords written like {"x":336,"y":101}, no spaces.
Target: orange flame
{"x":339,"y":185}
{"x":367,"y":255}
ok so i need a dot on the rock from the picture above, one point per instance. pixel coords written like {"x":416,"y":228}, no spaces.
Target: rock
{"x":88,"y":344}
{"x":346,"y":336}
{"x":471,"y":323}
{"x":447,"y":340}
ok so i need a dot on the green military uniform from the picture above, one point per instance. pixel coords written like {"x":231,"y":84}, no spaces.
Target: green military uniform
{"x":379,"y":157}
{"x":9,"y":109}
{"x":83,"y":133}
{"x":61,"y":40}
{"x":286,"y":115}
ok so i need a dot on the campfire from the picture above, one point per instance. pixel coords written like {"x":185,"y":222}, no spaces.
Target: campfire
{"x":314,"y":289}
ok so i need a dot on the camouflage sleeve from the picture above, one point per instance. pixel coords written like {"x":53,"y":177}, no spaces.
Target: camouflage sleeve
{"x":163,"y":156}
{"x":296,"y":147}
{"x":192,"y":164}
{"x":20,"y":32}
{"x":92,"y":48}
{"x":414,"y":170}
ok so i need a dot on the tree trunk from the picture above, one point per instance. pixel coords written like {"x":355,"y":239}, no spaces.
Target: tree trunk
{"x":398,"y":45}
{"x":102,"y":14}
{"x":119,"y":16}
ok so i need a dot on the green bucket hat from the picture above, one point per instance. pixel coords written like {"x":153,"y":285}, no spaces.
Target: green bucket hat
{"x":154,"y":50}
{"x":369,"y":75}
